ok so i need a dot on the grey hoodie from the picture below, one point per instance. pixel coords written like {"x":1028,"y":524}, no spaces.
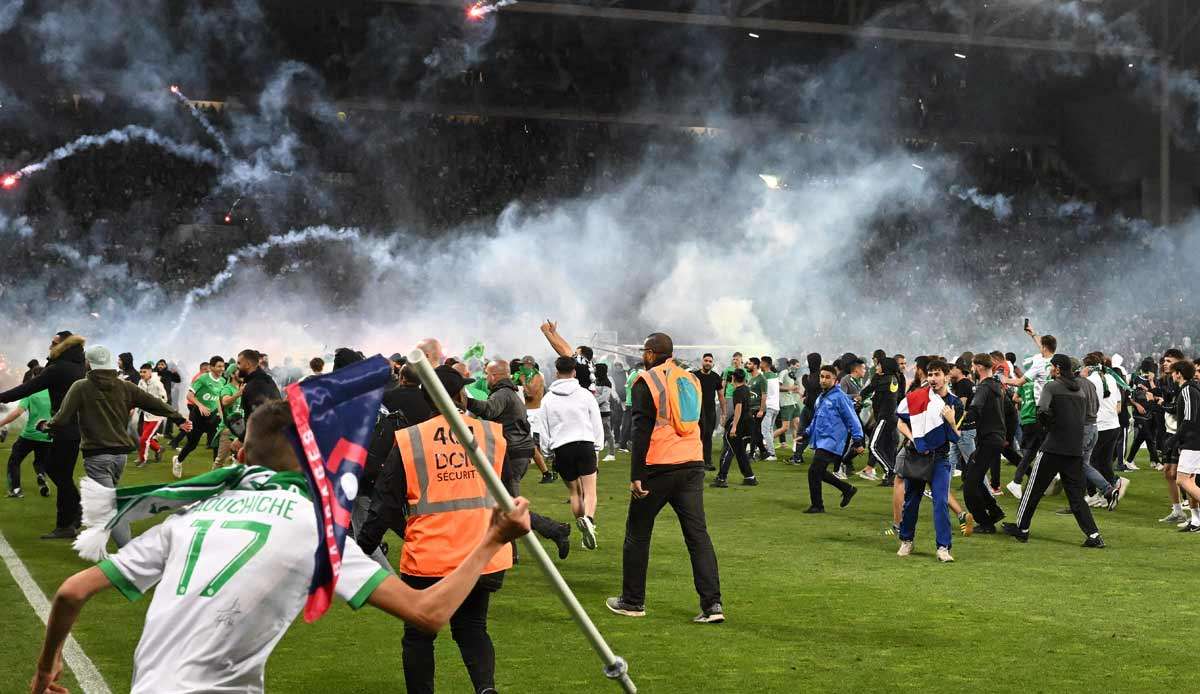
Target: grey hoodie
{"x":506,"y":406}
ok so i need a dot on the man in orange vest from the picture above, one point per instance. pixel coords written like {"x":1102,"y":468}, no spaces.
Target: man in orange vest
{"x":449,"y":509}
{"x":667,"y":468}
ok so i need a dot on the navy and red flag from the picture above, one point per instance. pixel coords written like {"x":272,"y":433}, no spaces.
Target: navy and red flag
{"x":335,"y":415}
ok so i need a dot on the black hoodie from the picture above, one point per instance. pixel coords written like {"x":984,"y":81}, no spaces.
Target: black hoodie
{"x":1062,"y":410}
{"x":64,"y":366}
{"x":992,"y":413}
{"x":812,"y":381}
{"x":125,"y":366}
{"x":884,"y":391}
{"x":259,"y":388}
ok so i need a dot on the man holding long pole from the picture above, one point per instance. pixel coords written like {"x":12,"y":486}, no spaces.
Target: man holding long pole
{"x":667,"y":468}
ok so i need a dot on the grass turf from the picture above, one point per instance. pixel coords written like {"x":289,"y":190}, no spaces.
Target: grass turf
{"x":814,"y":603}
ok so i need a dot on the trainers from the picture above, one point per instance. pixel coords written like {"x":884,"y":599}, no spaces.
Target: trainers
{"x":140,"y":463}
{"x":957,"y":473}
{"x":985,"y":529}
{"x":1185,"y":528}
{"x":158,"y":456}
{"x":548,"y":477}
{"x":3,"y":434}
{"x":1094,"y":542}
{"x":928,"y":493}
{"x":710,"y":615}
{"x":1014,"y":488}
{"x":1012,"y":529}
{"x":42,"y":488}
{"x":588,"y":529}
{"x":563,"y":540}
{"x":61,"y":534}
{"x":997,"y":491}
{"x":839,"y":474}
{"x":1112,"y":497}
{"x":1122,"y":487}
{"x":177,"y":468}
{"x":815,"y":509}
{"x":943,"y":555}
{"x":906,"y":547}
{"x":848,"y":495}
{"x":771,"y":458}
{"x":888,"y":481}
{"x":868,"y":474}
{"x":1174,"y":517}
{"x":16,"y":494}
{"x":750,"y":482}
{"x":966,"y":523}
{"x":1096,"y":501}
{"x":1156,"y":466}
{"x":608,"y":458}
{"x":1064,"y":511}
{"x":719,"y":483}
{"x":710,"y":468}
{"x":1132,"y":466}
{"x":619,"y":606}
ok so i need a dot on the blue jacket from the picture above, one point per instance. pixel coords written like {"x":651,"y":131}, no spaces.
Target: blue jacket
{"x":833,"y":421}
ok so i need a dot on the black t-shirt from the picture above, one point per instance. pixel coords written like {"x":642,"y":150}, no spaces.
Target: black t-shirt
{"x":741,"y":396}
{"x":965,"y":390}
{"x":710,"y":386}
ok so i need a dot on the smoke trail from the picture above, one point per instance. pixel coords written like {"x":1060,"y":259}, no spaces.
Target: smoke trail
{"x":15,"y":225}
{"x":295,"y":237}
{"x":999,"y":204}
{"x":481,"y":9}
{"x":129,"y":133}
{"x":204,"y":122}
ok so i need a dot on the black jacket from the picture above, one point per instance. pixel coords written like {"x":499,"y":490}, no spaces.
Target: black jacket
{"x":64,"y":366}
{"x":169,"y":378}
{"x":259,"y":389}
{"x":1187,"y":412}
{"x":506,"y":407}
{"x":989,"y":412}
{"x":1062,"y":409}
{"x":126,"y":368}
{"x":409,"y":400}
{"x":884,"y":392}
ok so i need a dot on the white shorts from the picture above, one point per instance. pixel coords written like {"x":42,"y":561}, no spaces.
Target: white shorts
{"x":1189,"y":463}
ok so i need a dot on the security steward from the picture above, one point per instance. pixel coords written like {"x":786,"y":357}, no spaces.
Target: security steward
{"x":448,"y":509}
{"x":667,"y":468}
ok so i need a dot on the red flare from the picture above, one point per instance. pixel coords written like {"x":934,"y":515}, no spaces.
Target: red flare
{"x":228,"y":219}
{"x":174,"y":88}
{"x":9,"y":181}
{"x":476,"y":11}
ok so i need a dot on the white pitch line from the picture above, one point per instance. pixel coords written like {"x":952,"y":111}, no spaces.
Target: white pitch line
{"x":89,"y":678}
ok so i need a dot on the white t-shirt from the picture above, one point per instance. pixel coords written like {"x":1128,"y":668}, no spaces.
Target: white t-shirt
{"x":234,"y":571}
{"x":1110,"y":407}
{"x":1037,"y":370}
{"x":772,"y":402}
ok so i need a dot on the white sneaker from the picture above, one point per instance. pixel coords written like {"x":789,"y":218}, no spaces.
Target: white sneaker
{"x":1174,"y":517}
{"x":176,"y":468}
{"x":868,"y":474}
{"x":1122,"y":487}
{"x":608,"y":458}
{"x":928,"y":494}
{"x":770,"y":458}
{"x":588,"y":529}
{"x":905,"y":549}
{"x":839,"y":474}
{"x":1095,"y":501}
{"x":1014,"y":489}
{"x":1184,"y":524}
{"x":957,"y":473}
{"x":1131,"y":466}
{"x":943,"y":555}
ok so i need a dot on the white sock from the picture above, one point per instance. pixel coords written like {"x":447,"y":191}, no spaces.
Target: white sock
{"x":1196,"y":516}
{"x":1177,"y":507}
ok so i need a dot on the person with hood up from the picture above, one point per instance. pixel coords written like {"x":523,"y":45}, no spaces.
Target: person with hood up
{"x":1062,"y":409}
{"x":833,"y":424}
{"x":102,"y":401}
{"x":125,"y":367}
{"x":64,"y":366}
{"x":810,"y":383}
{"x":169,"y":377}
{"x":506,"y":406}
{"x":574,"y":433}
{"x":150,"y":383}
{"x":884,"y":393}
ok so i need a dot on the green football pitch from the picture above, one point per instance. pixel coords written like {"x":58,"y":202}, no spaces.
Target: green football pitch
{"x":814,"y":603}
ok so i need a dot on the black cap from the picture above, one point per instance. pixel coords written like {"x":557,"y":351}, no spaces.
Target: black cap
{"x":398,"y":358}
{"x":1063,"y":362}
{"x":452,"y":380}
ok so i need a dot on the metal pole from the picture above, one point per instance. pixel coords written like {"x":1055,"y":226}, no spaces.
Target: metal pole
{"x":615,"y":667}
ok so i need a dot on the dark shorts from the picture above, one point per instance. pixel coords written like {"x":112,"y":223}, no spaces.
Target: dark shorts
{"x":575,"y":459}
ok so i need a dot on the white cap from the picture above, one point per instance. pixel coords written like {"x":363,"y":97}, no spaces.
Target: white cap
{"x":100,"y":358}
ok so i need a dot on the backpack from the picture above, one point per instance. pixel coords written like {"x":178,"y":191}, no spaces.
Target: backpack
{"x":683,"y":400}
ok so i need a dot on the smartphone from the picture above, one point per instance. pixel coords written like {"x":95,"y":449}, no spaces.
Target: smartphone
{"x":1027,"y":324}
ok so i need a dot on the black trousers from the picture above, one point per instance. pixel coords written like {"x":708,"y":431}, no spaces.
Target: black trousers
{"x":735,"y":448}
{"x":976,"y":494}
{"x":193,"y":415}
{"x":21,"y":448}
{"x":61,"y":470}
{"x":200,"y":426}
{"x":1144,"y":433}
{"x":757,"y":445}
{"x":882,"y":447}
{"x":512,"y":473}
{"x":818,"y":472}
{"x":1070,"y":470}
{"x":468,"y":628}
{"x":1102,"y":454}
{"x":683,"y":489}
{"x":708,"y":424}
{"x":1032,"y":437}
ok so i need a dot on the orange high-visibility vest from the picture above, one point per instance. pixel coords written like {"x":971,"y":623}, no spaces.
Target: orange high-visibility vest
{"x":449,"y":505}
{"x":667,"y":447}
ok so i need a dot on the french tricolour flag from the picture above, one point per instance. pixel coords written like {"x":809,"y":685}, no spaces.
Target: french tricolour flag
{"x":922,"y":410}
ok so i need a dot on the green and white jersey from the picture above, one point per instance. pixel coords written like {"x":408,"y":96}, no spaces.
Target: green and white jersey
{"x":234,"y":410}
{"x":1036,"y":370}
{"x":207,"y":389}
{"x":233,"y":573}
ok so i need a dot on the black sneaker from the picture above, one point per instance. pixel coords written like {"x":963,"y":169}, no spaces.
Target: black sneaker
{"x":548,"y":477}
{"x":985,"y":529}
{"x":710,"y":615}
{"x":888,"y":481}
{"x":1063,"y":511}
{"x":3,"y":434}
{"x":61,"y":534}
{"x":619,"y":606}
{"x":1012,"y":529}
{"x":42,"y":488}
{"x":815,"y":509}
{"x":848,"y":495}
{"x":750,"y":482}
{"x":1094,"y":542}
{"x":719,"y":483}
{"x":563,"y":541}
{"x":710,"y":468}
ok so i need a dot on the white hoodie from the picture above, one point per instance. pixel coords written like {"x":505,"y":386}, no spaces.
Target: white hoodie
{"x":1108,"y":416}
{"x":571,"y":414}
{"x":154,"y":387}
